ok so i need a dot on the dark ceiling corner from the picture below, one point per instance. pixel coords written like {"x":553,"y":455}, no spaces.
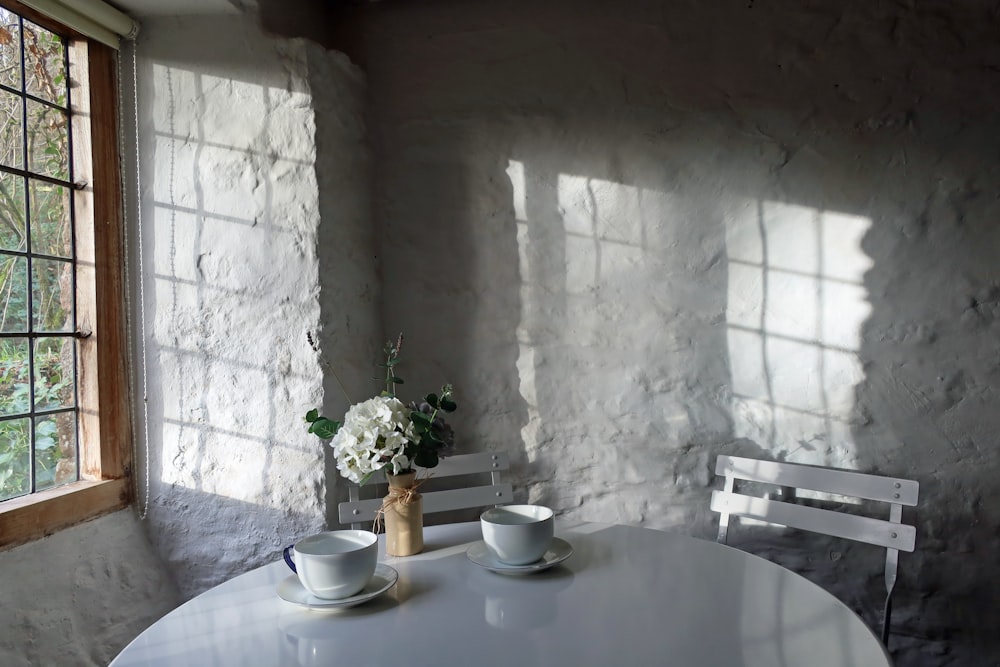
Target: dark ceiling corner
{"x":335,"y":24}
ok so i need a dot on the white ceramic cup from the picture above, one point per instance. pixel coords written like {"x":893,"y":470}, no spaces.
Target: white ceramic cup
{"x":518,"y":534}
{"x":335,"y":564}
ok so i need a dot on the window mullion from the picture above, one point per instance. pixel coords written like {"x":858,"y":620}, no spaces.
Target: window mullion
{"x":33,"y":98}
{"x":24,"y":173}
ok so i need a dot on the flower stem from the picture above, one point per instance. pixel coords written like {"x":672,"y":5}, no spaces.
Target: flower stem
{"x":391,"y":356}
{"x":341,"y":385}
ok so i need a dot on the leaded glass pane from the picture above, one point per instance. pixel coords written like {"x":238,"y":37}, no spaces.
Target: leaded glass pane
{"x":15,"y":390}
{"x":50,"y":228}
{"x":54,"y":373}
{"x":10,"y":49}
{"x":12,"y":209}
{"x":48,"y":141}
{"x":52,"y":294}
{"x":55,"y":450}
{"x":13,"y":294}
{"x":15,"y":458}
{"x":11,"y":130}
{"x":44,"y":64}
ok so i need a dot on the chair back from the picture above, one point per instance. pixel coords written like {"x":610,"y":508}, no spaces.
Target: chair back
{"x":890,"y":533}
{"x":357,"y":510}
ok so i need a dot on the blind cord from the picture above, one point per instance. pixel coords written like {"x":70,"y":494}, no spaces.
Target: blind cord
{"x":142,"y":504}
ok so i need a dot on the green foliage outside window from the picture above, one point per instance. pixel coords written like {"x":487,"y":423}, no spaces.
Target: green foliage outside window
{"x":35,"y":231}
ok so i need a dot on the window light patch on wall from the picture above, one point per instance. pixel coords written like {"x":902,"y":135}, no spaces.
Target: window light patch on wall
{"x":796,"y":304}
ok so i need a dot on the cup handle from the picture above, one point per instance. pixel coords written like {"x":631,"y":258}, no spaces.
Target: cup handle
{"x":288,"y":558}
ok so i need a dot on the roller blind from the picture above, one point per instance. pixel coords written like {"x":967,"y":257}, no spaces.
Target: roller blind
{"x":95,"y":19}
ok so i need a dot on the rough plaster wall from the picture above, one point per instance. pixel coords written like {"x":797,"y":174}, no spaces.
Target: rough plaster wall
{"x":349,"y":332}
{"x":231,"y":215}
{"x":79,"y":596}
{"x":637,"y":235}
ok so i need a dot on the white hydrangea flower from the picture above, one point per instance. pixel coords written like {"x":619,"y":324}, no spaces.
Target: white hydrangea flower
{"x":373,"y":431}
{"x":399,"y":463}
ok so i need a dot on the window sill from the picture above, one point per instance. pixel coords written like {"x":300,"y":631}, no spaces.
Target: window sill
{"x":31,"y":517}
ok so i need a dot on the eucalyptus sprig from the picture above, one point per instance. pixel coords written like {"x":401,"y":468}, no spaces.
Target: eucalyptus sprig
{"x":430,"y":430}
{"x":321,"y":426}
{"x":391,"y":352}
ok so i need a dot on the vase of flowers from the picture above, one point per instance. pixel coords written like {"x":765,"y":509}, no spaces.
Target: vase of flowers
{"x":384,"y":434}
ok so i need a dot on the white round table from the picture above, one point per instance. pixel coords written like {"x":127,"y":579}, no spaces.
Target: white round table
{"x":626,"y":596}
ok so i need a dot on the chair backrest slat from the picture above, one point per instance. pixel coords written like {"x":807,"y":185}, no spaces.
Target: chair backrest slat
{"x":828,"y":480}
{"x":460,"y":464}
{"x":433,"y":501}
{"x":357,"y":510}
{"x":860,"y":528}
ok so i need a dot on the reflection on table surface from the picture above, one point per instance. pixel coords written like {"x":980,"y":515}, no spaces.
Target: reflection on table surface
{"x":627,"y":595}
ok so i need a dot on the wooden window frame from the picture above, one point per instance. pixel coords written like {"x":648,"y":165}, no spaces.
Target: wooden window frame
{"x":104,"y":424}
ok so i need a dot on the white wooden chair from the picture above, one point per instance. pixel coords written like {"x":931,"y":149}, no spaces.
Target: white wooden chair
{"x":357,"y":510}
{"x":892,"y":534}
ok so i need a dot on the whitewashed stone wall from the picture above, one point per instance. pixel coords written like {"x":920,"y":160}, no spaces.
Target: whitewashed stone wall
{"x":231,"y":213}
{"x":238,"y":348}
{"x":637,"y":235}
{"x":349,"y":332}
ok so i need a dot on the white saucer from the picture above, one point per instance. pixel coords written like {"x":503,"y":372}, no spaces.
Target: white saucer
{"x":558,"y":551}
{"x":290,"y":589}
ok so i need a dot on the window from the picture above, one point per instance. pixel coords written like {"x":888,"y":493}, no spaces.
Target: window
{"x":38,"y":418}
{"x":65,"y":437}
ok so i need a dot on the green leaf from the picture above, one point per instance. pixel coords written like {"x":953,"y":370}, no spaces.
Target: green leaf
{"x":426,"y":458}
{"x":448,"y":406}
{"x":432,"y":400}
{"x":312,"y":415}
{"x":324,"y":428}
{"x":419,"y":418}
{"x":396,"y":380}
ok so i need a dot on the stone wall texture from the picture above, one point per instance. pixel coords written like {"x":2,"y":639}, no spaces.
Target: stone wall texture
{"x":232,"y":199}
{"x":637,"y":235}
